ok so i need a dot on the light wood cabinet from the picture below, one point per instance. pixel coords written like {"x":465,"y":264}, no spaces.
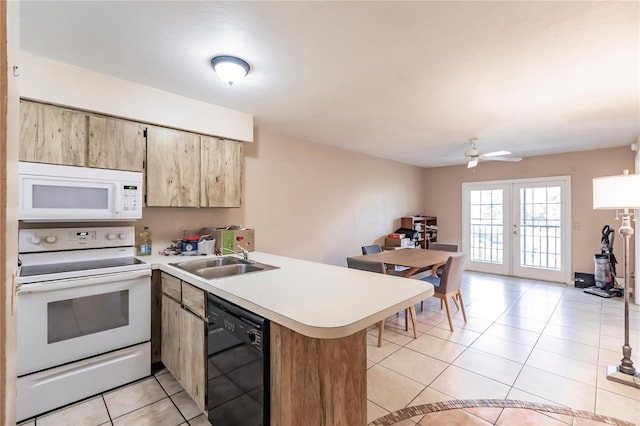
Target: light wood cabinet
{"x":194,"y":299}
{"x":184,"y":345}
{"x":221,"y":170}
{"x":193,"y":357}
{"x":183,"y":169}
{"x":173,"y":168}
{"x":52,"y":135}
{"x":171,"y":286}
{"x":116,"y":144}
{"x":189,"y":170}
{"x":170,"y":346}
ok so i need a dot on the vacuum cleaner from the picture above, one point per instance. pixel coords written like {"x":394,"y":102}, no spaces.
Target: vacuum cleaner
{"x":605,"y":267}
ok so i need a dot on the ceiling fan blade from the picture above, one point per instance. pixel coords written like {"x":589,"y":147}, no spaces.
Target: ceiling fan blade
{"x":496,"y":154}
{"x":512,"y":159}
{"x":472,"y":163}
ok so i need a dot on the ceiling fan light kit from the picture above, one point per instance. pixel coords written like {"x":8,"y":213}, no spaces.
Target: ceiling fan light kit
{"x":474,"y":155}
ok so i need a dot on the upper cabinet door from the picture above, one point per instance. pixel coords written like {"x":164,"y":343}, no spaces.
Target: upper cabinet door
{"x":52,"y":135}
{"x":221,"y":164}
{"x":116,"y":144}
{"x":173,"y":168}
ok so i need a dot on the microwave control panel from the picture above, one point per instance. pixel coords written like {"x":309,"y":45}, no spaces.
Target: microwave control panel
{"x":131,"y":197}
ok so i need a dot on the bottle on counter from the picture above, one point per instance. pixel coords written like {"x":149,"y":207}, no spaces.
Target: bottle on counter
{"x":144,"y":242}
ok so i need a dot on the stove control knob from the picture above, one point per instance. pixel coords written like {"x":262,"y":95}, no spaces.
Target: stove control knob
{"x":51,"y":239}
{"x":252,"y":336}
{"x":111,"y":236}
{"x":122,"y":235}
{"x":35,"y":239}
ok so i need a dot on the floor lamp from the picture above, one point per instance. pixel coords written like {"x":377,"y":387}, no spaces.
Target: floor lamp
{"x":621,"y":193}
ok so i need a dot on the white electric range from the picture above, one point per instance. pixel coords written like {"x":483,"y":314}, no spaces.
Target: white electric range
{"x":83,"y":311}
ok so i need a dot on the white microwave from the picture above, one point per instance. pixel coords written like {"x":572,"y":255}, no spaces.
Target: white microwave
{"x":52,"y":193}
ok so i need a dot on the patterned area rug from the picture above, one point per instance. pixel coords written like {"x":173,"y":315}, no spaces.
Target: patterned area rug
{"x":494,"y":411}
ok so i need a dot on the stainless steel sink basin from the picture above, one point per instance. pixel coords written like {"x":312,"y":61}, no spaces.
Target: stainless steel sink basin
{"x":194,"y":265}
{"x":221,"y":267}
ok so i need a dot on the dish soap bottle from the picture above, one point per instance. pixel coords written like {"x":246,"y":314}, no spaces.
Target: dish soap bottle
{"x":144,"y":242}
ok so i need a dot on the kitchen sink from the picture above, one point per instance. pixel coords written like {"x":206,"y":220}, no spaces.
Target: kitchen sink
{"x":221,"y":267}
{"x":192,"y":265}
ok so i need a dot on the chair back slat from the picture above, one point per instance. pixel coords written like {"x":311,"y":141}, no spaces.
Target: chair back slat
{"x":452,"y":275}
{"x":371,"y":249}
{"x":366,"y":265}
{"x":443,"y":247}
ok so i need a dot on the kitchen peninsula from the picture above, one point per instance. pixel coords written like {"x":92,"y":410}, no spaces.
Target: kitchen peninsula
{"x":318,"y":315}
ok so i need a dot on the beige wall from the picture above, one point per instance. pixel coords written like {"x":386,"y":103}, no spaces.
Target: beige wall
{"x":307,"y":200}
{"x":443,"y":190}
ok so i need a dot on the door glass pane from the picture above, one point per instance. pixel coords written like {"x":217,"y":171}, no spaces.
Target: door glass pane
{"x":487,"y":224}
{"x":67,"y":319}
{"x":540,"y":228}
{"x":69,"y":197}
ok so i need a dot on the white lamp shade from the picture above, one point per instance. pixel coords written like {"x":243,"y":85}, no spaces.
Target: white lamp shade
{"x":616,"y":192}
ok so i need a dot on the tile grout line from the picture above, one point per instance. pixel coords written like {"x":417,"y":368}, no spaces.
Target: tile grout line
{"x":104,"y":401}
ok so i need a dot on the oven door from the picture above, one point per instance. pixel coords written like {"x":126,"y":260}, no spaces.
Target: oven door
{"x":66,"y":320}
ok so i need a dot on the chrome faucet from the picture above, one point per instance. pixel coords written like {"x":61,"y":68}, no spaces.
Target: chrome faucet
{"x":244,"y":252}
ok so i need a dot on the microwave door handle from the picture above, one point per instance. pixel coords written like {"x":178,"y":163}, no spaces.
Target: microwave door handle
{"x":81,"y":282}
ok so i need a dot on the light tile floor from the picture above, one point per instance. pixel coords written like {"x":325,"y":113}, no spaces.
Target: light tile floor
{"x":524,"y":340}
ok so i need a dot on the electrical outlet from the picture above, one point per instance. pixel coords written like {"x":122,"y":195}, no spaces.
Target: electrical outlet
{"x":576,"y":226}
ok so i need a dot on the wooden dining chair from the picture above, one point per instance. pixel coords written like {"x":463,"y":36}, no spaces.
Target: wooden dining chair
{"x":448,"y":285}
{"x":379,"y":267}
{"x":375,"y":248}
{"x":436,"y":270}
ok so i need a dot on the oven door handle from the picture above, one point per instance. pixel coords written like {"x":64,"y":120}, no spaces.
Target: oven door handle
{"x":82,"y":282}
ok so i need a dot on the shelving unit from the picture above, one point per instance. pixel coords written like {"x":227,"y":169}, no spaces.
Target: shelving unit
{"x":423,"y":225}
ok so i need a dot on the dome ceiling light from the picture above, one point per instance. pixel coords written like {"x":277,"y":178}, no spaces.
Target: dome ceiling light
{"x":230,"y":69}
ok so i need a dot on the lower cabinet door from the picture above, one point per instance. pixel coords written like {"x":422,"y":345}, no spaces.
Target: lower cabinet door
{"x":193,"y":375}
{"x":171,"y":323}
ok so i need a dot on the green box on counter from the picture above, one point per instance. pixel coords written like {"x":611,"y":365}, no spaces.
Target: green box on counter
{"x":234,"y":240}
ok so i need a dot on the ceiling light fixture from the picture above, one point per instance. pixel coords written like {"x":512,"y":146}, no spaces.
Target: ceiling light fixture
{"x":230,"y":69}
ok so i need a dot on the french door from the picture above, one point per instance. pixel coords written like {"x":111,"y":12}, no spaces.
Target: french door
{"x":519,"y":227}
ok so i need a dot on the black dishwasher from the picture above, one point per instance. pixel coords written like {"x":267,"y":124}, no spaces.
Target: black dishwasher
{"x":238,"y":385}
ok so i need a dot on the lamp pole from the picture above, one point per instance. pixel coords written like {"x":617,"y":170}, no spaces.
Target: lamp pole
{"x":626,"y":230}
{"x":621,"y":193}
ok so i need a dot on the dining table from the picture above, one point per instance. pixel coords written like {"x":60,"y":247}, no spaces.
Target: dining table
{"x":414,"y":260}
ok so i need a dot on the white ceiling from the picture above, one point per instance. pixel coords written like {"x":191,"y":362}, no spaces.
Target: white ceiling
{"x":408,"y":81}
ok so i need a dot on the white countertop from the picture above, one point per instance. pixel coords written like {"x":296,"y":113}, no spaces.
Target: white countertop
{"x":313,"y":299}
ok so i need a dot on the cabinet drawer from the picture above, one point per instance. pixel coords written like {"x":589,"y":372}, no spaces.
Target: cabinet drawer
{"x":194,"y":299}
{"x":171,"y":286}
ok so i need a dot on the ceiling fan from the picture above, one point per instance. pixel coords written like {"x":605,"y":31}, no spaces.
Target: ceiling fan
{"x":474,"y":155}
